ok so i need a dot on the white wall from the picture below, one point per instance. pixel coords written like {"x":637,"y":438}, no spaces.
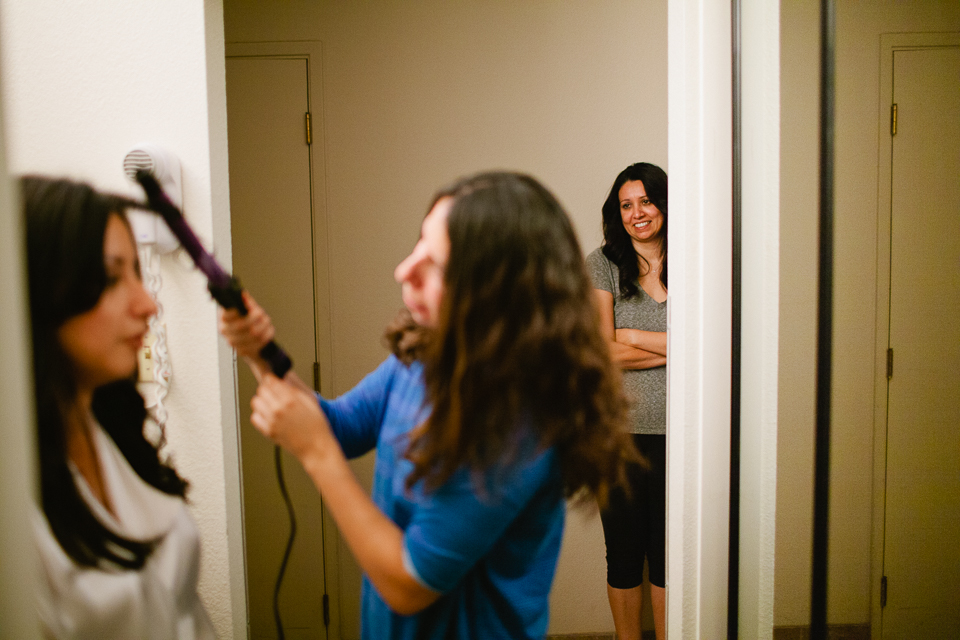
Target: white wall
{"x":83,"y":82}
{"x":858,"y":114}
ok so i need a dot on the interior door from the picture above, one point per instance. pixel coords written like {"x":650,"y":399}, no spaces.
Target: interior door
{"x":921,"y":554}
{"x":271,"y":217}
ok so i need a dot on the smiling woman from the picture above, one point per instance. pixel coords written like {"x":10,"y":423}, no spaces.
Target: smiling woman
{"x":630,"y":278}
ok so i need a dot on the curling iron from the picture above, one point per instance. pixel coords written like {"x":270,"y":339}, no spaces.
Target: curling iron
{"x":224,"y":288}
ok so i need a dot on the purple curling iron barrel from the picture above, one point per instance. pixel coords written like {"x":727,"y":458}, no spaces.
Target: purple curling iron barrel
{"x":224,"y":288}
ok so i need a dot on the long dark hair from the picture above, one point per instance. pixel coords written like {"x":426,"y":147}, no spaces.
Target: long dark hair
{"x":65,"y":224}
{"x":518,"y":343}
{"x":616,"y":241}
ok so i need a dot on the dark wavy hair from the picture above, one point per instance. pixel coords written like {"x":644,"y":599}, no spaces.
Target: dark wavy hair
{"x":616,"y":241}
{"x":65,"y":225}
{"x":518,"y":344}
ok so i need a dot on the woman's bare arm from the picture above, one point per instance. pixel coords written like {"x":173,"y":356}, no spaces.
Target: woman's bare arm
{"x":248,"y":334}
{"x":652,"y":341}
{"x":294,"y":421}
{"x":627,"y":356}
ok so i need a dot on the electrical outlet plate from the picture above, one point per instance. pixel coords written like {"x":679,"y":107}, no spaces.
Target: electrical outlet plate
{"x":146,"y":358}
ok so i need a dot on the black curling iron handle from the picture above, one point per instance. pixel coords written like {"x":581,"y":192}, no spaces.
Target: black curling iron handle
{"x":230,"y":297}
{"x":224,"y":288}
{"x":277,"y":357}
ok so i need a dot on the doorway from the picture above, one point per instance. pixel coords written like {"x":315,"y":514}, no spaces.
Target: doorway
{"x":918,"y":589}
{"x":278,"y":237}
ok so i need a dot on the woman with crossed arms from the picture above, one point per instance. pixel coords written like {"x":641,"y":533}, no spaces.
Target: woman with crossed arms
{"x":629,"y":274}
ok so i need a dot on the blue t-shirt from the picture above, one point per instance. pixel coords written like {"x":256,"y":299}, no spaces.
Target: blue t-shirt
{"x":492,"y":555}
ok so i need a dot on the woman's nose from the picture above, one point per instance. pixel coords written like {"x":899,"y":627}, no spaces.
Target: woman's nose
{"x":405,"y":270}
{"x":143,"y":303}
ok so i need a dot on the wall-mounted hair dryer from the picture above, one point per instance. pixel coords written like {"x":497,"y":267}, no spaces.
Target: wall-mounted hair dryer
{"x":165,"y":167}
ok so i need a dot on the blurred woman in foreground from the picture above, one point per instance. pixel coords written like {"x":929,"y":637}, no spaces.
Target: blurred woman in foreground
{"x":118,"y":548}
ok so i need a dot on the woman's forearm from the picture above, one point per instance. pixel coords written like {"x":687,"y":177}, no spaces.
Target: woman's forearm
{"x":375,"y":540}
{"x":652,"y":341}
{"x":627,"y":357}
{"x":624,"y":354}
{"x":261,"y":367}
{"x":291,"y":417}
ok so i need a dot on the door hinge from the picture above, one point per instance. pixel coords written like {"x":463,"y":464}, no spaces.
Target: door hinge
{"x":889,"y":363}
{"x":326,"y":610}
{"x":309,"y":128}
{"x":893,"y":120}
{"x":883,"y":592}
{"x":316,"y":377}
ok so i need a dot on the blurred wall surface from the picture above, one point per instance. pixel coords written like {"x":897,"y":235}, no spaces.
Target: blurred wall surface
{"x":17,"y":571}
{"x":85,"y":82}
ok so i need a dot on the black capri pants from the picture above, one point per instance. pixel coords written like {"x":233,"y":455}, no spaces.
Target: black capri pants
{"x":635,"y":528}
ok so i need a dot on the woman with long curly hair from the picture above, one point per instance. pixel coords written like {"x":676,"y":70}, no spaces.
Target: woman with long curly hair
{"x":119,"y":551}
{"x":629,"y":273}
{"x":499,"y":403}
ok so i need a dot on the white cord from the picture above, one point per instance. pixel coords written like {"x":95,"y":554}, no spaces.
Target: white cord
{"x":150,"y":269}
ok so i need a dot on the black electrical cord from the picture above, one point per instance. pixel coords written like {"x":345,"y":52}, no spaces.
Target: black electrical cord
{"x":278,"y":459}
{"x":228,"y":293}
{"x":736,"y":338}
{"x":821,"y":491}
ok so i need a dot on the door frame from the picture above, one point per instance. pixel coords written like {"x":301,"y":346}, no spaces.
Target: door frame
{"x":312,"y":52}
{"x":700,"y":147}
{"x":889,"y":43}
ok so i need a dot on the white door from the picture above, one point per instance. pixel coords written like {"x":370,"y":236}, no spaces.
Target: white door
{"x":271,"y":217}
{"x":921,"y":554}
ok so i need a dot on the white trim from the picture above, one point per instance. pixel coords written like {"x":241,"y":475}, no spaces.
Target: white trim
{"x":760,"y":144}
{"x":226,"y":358}
{"x":698,"y":406}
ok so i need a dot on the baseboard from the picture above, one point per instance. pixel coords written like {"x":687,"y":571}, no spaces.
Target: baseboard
{"x":647,"y":635}
{"x":834,"y":632}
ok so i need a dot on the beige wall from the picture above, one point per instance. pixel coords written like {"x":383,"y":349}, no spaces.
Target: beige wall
{"x":858,"y":117}
{"x":799,"y":103}
{"x":416,"y":94}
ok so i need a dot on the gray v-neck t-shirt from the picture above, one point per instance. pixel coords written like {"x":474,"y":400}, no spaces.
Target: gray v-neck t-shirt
{"x":646,"y":388}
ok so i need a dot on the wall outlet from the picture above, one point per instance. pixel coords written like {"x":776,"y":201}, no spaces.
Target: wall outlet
{"x":146,"y":358}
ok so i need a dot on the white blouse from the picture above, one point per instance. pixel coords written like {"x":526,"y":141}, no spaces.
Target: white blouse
{"x":158,"y":601}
